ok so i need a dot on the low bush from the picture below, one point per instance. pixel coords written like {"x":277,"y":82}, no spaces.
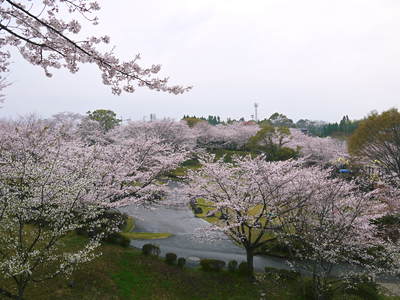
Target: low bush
{"x":170,"y":258}
{"x":362,"y":287}
{"x":181,"y":262}
{"x":150,"y":249}
{"x":347,"y":297}
{"x":244,"y":269}
{"x":280,"y":274}
{"x":113,"y":218}
{"x":232,"y":265}
{"x":212,"y":265}
{"x":117,"y":238}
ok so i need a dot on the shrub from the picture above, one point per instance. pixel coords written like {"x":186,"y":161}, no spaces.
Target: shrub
{"x":117,"y":239}
{"x":363,"y":288}
{"x":287,"y":275}
{"x":113,"y":218}
{"x":181,"y":262}
{"x":232,"y":265}
{"x":170,"y":258}
{"x":212,"y":265}
{"x":244,"y":269}
{"x":150,"y":249}
{"x":198,"y":210}
{"x":347,"y":297}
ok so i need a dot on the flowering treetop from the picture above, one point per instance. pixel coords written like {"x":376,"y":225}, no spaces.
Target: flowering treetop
{"x":316,"y":148}
{"x":53,"y":183}
{"x":44,"y":36}
{"x":233,"y":136}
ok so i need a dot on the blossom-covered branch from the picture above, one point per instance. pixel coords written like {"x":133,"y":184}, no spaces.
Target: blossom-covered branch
{"x":43,"y":36}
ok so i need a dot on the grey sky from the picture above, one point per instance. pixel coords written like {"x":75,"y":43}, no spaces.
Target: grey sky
{"x":316,"y":59}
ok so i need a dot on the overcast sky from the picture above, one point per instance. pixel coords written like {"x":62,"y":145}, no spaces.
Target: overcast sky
{"x":315,"y":59}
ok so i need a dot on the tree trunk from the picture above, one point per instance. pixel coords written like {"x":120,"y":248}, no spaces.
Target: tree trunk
{"x":20,"y":294}
{"x":21,"y":290}
{"x":250,"y":261}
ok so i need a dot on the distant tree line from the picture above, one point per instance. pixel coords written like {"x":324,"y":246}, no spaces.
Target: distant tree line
{"x":212,"y":120}
{"x":343,"y":128}
{"x":319,"y":128}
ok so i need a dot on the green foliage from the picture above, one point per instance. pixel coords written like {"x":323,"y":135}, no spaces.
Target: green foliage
{"x":193,"y":120}
{"x":378,"y":139}
{"x":118,"y":238}
{"x":229,"y":154}
{"x":150,"y":249}
{"x":283,"y":153}
{"x":146,"y":235}
{"x":214,"y":120}
{"x":379,"y":128}
{"x":342,"y":129}
{"x":232,"y":265}
{"x":170,"y":258}
{"x":112,"y":217}
{"x":193,"y":162}
{"x":270,"y":140}
{"x":181,"y":262}
{"x":388,"y":226}
{"x":281,"y":120}
{"x":276,"y":248}
{"x":106,"y":118}
{"x":280,"y":274}
{"x":124,"y":274}
{"x":212,"y":265}
{"x":244,"y":269}
{"x":346,"y":297}
{"x":361,"y":287}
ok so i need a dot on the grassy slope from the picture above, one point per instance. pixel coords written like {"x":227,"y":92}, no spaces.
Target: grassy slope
{"x":130,"y":225}
{"x":123,"y":273}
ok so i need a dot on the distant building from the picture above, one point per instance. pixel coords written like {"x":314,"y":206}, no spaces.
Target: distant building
{"x":152,"y":117}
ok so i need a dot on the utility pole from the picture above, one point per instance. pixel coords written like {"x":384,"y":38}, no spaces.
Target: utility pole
{"x":255,"y":110}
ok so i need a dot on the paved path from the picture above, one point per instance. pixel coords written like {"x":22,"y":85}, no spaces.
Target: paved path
{"x":182,"y":223}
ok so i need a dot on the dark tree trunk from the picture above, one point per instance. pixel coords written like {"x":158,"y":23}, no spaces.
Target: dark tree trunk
{"x":250,"y":261}
{"x":21,"y":291}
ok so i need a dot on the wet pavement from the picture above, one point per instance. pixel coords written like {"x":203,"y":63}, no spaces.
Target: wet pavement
{"x":185,"y":242}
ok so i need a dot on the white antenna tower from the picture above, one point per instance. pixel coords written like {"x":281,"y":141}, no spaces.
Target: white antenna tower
{"x":255,"y":110}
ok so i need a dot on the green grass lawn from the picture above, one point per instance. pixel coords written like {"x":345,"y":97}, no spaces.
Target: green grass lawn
{"x":127,"y":232}
{"x":125,"y":274}
{"x":145,"y":235}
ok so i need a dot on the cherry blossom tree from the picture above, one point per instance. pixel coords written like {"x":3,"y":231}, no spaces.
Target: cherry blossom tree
{"x":255,"y":199}
{"x":176,"y":134}
{"x":388,"y":225}
{"x":47,"y":34}
{"x":52,"y":184}
{"x":231,"y":136}
{"x":317,"y":149}
{"x":335,"y":231}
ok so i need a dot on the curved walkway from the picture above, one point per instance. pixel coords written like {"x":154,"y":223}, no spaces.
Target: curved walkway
{"x":182,"y":223}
